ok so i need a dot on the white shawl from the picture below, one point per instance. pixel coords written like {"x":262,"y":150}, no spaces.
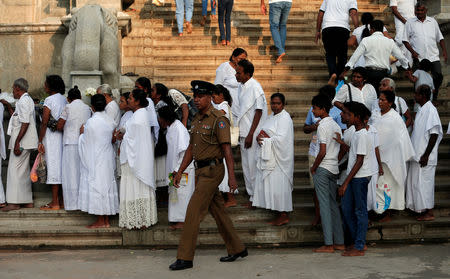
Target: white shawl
{"x":279,"y":148}
{"x":137,"y":147}
{"x":97,"y":153}
{"x":395,"y":145}
{"x":178,"y":141}
{"x":427,"y":118}
{"x":153,"y":119}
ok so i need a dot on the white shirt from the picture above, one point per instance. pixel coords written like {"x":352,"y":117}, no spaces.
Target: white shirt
{"x":275,"y":1}
{"x":423,"y":37}
{"x":361,"y":144}
{"x":358,"y":34}
{"x":24,"y":113}
{"x":226,"y":76}
{"x":55,"y":103}
{"x":225,"y":107}
{"x":366,"y":96}
{"x":113,"y":111}
{"x":76,"y":114}
{"x":404,"y":7}
{"x":400,"y":106}
{"x":337,"y":13}
{"x":423,"y":78}
{"x":326,"y":131}
{"x":377,"y":50}
{"x":251,"y":98}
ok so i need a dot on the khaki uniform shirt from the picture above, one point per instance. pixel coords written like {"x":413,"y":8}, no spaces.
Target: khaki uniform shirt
{"x":208,"y":132}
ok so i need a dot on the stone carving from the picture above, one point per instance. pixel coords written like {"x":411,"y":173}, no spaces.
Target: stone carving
{"x":92,"y":44}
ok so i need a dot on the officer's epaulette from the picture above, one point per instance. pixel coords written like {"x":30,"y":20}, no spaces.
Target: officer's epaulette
{"x":217,"y":113}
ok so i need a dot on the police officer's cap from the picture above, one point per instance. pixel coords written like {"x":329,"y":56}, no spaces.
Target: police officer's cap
{"x":203,"y":87}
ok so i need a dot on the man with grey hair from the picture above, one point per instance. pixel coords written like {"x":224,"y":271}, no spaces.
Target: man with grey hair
{"x":388,"y":84}
{"x":24,"y":138}
{"x":112,"y":108}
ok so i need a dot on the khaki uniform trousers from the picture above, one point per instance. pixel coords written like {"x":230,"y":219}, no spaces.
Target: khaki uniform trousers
{"x":206,"y":197}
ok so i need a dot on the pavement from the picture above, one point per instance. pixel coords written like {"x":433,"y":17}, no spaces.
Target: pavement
{"x":381,"y":261}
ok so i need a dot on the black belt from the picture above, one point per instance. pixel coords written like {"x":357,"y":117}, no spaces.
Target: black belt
{"x":377,"y":69}
{"x":206,"y":163}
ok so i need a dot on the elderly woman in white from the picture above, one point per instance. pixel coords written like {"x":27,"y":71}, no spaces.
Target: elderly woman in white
{"x":51,"y":140}
{"x":74,"y":115}
{"x":137,"y":184}
{"x":275,"y":162}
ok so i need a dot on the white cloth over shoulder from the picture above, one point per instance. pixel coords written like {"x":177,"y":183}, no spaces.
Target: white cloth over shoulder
{"x":251,"y":98}
{"x":75,"y":114}
{"x":178,"y":141}
{"x":113,"y":111}
{"x":275,"y":164}
{"x":98,"y":189}
{"x":226,"y":76}
{"x":153,"y":119}
{"x":137,"y":147}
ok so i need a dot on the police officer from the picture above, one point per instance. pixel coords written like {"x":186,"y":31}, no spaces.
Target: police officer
{"x":210,"y":143}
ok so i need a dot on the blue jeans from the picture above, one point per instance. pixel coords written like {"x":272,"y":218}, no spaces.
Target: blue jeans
{"x":205,"y":8}
{"x":225,"y":7}
{"x":183,"y":6}
{"x":354,"y":210}
{"x":326,"y":188}
{"x":278,"y":16}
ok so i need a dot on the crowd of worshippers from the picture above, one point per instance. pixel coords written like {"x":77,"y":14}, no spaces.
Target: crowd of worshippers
{"x":111,"y":157}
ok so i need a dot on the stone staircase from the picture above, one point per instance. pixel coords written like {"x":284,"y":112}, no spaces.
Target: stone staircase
{"x":153,"y":49}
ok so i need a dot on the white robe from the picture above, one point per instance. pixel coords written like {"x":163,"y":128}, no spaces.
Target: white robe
{"x":137,"y":187}
{"x":420,"y":181}
{"x":251,"y":98}
{"x":113,"y":111}
{"x":177,"y":142}
{"x":275,"y":164}
{"x":226,"y":76}
{"x":223,"y":186}
{"x":98,"y":188}
{"x":123,"y":120}
{"x":395,"y":150}
{"x":153,"y":120}
{"x":2,"y":153}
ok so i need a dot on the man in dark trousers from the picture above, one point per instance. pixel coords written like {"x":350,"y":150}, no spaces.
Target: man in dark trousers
{"x":210,"y":143}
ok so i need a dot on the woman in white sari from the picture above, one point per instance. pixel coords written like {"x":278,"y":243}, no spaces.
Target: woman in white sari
{"x":137,"y":185}
{"x":51,"y":140}
{"x":177,"y":142}
{"x":98,"y":187}
{"x":395,"y":150}
{"x":275,"y":162}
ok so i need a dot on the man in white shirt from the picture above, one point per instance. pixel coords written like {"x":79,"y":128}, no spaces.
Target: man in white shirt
{"x":403,"y":10}
{"x":357,"y":91}
{"x":278,"y":16}
{"x":422,"y":34}
{"x":112,"y":108}
{"x":24,"y":138}
{"x":253,"y":111}
{"x":426,"y":136}
{"x":332,"y":20}
{"x":377,"y":50}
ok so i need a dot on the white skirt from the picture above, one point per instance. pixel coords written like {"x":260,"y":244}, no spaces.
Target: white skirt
{"x":161,"y":176}
{"x":179,"y":197}
{"x":2,"y":191}
{"x":420,"y":187}
{"x":93,"y":202}
{"x":70,"y":176}
{"x":53,"y":143}
{"x":137,"y":201}
{"x":18,"y":182}
{"x":273,"y":192}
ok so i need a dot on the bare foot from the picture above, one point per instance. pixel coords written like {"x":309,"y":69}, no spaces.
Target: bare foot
{"x":27,"y":205}
{"x":2,"y":205}
{"x":213,"y":16}
{"x":248,"y":205}
{"x":324,"y":249}
{"x":282,"y":219}
{"x":352,"y":247}
{"x":228,"y":43}
{"x":428,"y":216}
{"x":203,"y":21}
{"x":332,"y":80}
{"x":280,"y":58}
{"x":385,"y":219}
{"x":50,"y":206}
{"x":180,"y":34}
{"x":10,"y":207}
{"x":223,"y":42}
{"x":339,"y":247}
{"x":177,"y":226}
{"x":353,"y":253}
{"x":98,"y":224}
{"x":188,"y":27}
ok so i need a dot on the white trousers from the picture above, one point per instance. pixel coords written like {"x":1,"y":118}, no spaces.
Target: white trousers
{"x":248,"y":158}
